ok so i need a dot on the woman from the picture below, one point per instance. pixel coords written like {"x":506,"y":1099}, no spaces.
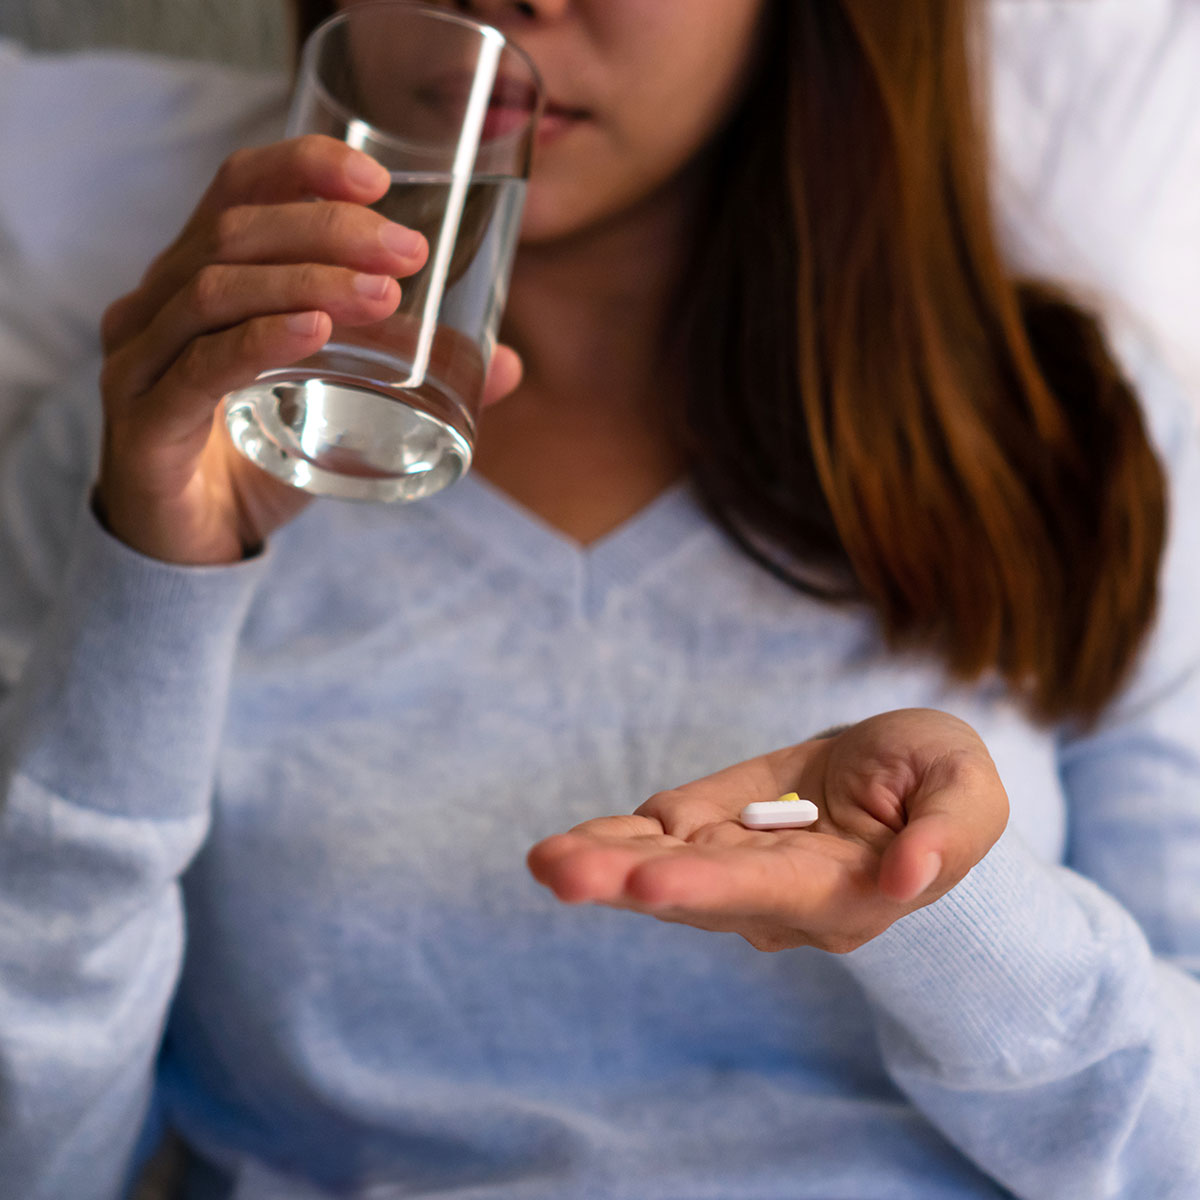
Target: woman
{"x":791,"y":451}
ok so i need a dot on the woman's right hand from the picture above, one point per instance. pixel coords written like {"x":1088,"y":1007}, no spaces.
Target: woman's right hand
{"x":255,"y":281}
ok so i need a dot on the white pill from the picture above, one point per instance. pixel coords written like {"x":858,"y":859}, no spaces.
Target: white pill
{"x":788,"y":812}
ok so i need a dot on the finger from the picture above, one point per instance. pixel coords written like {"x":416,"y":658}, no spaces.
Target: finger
{"x":591,"y":862}
{"x":784,"y":878}
{"x":915,"y":862}
{"x":504,"y":375}
{"x":330,"y":231}
{"x":364,"y":251}
{"x":296,"y":169}
{"x":300,"y":169}
{"x":176,"y":414}
{"x":220,"y":297}
{"x":782,"y":881}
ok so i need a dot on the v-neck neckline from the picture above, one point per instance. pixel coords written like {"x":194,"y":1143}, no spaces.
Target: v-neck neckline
{"x":635,"y":550}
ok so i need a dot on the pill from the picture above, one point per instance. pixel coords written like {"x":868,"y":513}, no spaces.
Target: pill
{"x":788,"y":812}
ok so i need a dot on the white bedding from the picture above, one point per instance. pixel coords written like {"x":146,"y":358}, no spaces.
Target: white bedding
{"x":1096,"y":119}
{"x":102,"y":157}
{"x":1097,"y":130}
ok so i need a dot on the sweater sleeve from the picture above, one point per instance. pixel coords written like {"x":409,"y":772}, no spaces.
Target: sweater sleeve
{"x":115,"y":673}
{"x":1046,"y":1017}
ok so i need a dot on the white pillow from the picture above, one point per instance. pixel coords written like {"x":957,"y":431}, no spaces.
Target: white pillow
{"x":1096,"y":111}
{"x":105,"y":156}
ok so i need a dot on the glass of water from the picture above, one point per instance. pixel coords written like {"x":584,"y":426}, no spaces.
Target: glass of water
{"x":450,"y":107}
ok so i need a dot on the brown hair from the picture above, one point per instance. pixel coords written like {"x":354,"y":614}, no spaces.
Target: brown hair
{"x":876,"y":409}
{"x":308,"y":14}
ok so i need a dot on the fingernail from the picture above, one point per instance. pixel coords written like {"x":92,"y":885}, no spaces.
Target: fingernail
{"x":366,"y":172}
{"x":407,"y":243}
{"x":303,"y":323}
{"x":374,"y":287}
{"x":931,"y":870}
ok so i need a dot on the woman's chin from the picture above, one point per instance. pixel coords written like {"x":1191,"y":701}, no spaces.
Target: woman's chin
{"x":547,"y":218}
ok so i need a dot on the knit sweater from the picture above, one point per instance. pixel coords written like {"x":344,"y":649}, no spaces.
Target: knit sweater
{"x":280,"y":810}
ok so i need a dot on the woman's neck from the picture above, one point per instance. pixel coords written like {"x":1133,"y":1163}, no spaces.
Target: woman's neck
{"x":584,"y":442}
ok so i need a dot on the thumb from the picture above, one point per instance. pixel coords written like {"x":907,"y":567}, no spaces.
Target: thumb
{"x":916,"y":859}
{"x":948,"y":830}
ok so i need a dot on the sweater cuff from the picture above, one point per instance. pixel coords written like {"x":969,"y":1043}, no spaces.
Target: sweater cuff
{"x":996,"y":968}
{"x":122,"y":703}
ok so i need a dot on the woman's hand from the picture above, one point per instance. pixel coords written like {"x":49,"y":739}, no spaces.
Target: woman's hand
{"x":255,"y":281}
{"x":910,"y":801}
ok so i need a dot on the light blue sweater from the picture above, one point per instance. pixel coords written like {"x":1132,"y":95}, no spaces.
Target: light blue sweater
{"x":327,"y":765}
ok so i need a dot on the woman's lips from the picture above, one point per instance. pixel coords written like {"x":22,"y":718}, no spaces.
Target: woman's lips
{"x":555,"y":120}
{"x":510,"y":107}
{"x":503,"y":119}
{"x":558,"y":119}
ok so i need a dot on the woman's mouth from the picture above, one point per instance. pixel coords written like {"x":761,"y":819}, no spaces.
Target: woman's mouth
{"x":558,"y":119}
{"x":503,"y":119}
{"x":511,"y":107}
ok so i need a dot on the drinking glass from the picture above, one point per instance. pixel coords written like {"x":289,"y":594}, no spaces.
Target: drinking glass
{"x":450,"y":107}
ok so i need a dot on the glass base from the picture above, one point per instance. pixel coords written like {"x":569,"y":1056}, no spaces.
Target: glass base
{"x":337,"y":438}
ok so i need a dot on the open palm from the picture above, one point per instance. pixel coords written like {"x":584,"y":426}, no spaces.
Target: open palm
{"x":909,"y":801}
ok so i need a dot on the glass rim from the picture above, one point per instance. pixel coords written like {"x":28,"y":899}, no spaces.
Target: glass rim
{"x":344,"y":15}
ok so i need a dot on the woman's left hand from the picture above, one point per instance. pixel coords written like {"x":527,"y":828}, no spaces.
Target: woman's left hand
{"x":909,"y":802}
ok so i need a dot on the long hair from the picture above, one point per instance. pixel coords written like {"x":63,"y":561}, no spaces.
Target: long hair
{"x":877,"y":410}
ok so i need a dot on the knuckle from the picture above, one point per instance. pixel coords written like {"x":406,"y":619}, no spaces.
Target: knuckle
{"x":309,"y":281}
{"x":333,"y":221}
{"x":234,"y":167}
{"x":193,"y":364}
{"x":768,"y":943}
{"x":229,"y":230}
{"x":253,"y":340}
{"x":206,"y":293}
{"x":662,"y":806}
{"x":971,"y":772}
{"x":313,"y":150}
